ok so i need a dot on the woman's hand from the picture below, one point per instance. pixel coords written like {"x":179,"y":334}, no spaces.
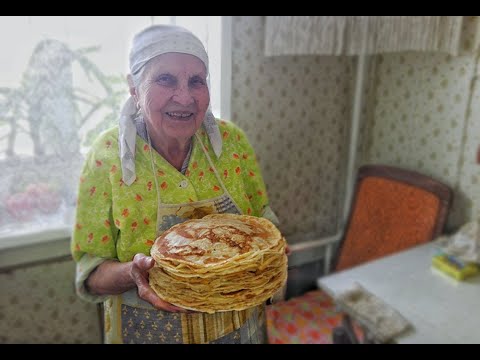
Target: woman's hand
{"x":139,"y":273}
{"x":113,"y":277}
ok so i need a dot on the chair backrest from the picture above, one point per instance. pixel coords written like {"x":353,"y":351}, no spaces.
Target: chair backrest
{"x":392,"y":209}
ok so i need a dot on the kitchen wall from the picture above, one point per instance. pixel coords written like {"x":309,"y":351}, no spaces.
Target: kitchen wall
{"x":422,"y":112}
{"x":425,"y":116}
{"x":38,"y":305}
{"x":296,"y":112}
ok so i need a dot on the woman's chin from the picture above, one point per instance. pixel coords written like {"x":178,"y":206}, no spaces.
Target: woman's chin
{"x":180,"y":129}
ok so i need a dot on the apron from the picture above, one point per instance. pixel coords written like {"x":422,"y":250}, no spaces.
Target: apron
{"x":129,"y":319}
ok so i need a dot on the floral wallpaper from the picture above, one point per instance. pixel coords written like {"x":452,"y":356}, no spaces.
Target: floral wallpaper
{"x":38,"y":304}
{"x":421,"y":113}
{"x":425,"y":117}
{"x":295,"y":111}
{"x":469,"y":176}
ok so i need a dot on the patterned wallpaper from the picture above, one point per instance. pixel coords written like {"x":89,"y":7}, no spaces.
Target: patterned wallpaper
{"x":420,"y":121}
{"x":38,"y":304}
{"x":469,"y":177}
{"x":295,"y":111}
{"x":421,"y":113}
{"x":419,"y":107}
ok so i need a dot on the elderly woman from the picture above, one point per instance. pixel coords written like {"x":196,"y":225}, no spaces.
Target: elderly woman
{"x":169,"y":160}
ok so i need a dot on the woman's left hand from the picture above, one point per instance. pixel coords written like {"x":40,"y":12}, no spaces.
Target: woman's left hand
{"x":141,"y":264}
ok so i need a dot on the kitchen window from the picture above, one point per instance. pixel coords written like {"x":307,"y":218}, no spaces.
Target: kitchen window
{"x":62,"y":83}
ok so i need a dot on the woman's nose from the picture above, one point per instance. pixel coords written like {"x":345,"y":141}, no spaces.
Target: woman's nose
{"x":182,"y":95}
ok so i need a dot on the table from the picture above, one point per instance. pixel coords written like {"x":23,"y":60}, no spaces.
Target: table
{"x":441,"y":309}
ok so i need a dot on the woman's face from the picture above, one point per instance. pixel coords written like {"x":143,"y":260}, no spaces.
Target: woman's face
{"x":174,"y":96}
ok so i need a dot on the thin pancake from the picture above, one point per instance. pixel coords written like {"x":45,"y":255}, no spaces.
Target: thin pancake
{"x":221,"y":262}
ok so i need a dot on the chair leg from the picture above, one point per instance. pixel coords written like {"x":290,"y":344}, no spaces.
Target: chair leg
{"x":344,"y":334}
{"x":340,"y":336}
{"x":347,"y":324}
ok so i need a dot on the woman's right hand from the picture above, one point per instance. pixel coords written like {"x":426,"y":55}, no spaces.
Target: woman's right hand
{"x":139,"y":273}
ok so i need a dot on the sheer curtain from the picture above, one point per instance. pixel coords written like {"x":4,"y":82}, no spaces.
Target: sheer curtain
{"x":357,"y":35}
{"x":62,"y":83}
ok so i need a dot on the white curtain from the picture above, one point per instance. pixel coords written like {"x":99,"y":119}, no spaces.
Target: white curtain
{"x":355,"y":35}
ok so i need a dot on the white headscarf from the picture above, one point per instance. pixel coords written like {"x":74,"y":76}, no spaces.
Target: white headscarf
{"x":149,"y":43}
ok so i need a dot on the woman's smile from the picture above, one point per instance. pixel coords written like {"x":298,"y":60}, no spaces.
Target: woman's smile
{"x":180,"y":116}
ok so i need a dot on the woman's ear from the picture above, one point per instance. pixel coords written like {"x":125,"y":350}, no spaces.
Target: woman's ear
{"x":131,"y":87}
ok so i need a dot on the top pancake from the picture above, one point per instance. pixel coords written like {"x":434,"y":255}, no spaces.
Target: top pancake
{"x":216,"y":239}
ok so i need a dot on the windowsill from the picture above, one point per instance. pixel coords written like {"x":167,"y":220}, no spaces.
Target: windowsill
{"x":33,"y":247}
{"x":33,"y":237}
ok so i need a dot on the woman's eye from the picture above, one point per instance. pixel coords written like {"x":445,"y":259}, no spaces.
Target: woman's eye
{"x":166,"y":80}
{"x":197,"y":82}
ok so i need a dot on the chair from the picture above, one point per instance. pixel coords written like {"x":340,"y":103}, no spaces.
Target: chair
{"x":393,"y":209}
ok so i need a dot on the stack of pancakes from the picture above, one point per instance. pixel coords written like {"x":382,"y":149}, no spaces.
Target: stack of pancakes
{"x":221,"y":262}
